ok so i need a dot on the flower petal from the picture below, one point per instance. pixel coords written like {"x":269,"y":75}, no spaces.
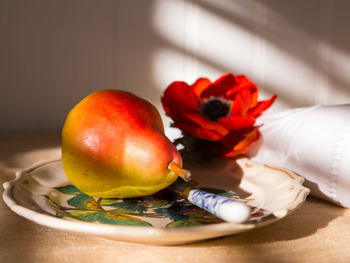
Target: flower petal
{"x":241,"y":102}
{"x":207,"y":124}
{"x":198,"y":131}
{"x":180,"y":97}
{"x":220,"y":86}
{"x":237,"y":122}
{"x":247,"y":89}
{"x":239,"y":142}
{"x":200,"y":85}
{"x":261,"y":106}
{"x":234,"y":88}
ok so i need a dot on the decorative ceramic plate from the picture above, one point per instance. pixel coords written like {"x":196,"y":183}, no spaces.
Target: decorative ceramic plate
{"x":43,"y":194}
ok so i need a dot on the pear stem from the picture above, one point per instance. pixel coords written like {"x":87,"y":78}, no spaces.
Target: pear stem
{"x":183,"y":173}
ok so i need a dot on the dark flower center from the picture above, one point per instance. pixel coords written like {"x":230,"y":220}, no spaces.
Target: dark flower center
{"x":214,"y":109}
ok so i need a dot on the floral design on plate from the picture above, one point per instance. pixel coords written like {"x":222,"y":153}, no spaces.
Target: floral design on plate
{"x":165,"y":204}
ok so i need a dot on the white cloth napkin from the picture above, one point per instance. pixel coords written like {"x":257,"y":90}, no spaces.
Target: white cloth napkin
{"x":314,"y":142}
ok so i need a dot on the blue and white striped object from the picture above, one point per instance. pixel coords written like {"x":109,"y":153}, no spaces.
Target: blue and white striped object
{"x":225,"y":208}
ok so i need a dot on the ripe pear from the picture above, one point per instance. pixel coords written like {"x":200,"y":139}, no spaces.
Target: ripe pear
{"x":113,"y":146}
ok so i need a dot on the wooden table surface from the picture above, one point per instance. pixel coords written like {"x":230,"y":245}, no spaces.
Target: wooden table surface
{"x":317,"y":232}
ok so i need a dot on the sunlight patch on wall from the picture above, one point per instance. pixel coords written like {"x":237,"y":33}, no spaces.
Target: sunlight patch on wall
{"x":203,"y":34}
{"x":249,"y":37}
{"x":170,"y":65}
{"x":222,"y":46}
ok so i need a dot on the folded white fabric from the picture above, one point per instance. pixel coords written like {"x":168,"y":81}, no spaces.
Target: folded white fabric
{"x":314,"y":142}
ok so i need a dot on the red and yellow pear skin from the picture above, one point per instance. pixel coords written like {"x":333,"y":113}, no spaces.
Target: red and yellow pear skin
{"x":113,"y":146}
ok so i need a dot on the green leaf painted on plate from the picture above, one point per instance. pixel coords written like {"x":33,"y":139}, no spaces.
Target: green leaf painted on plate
{"x":196,"y":213}
{"x":86,"y":215}
{"x":207,"y":219}
{"x":154,"y":203}
{"x":130,"y":206}
{"x":109,"y":217}
{"x":123,"y":211}
{"x":108,"y":201}
{"x":183,"y":223}
{"x":69,"y":190}
{"x":171,"y":212}
{"x":119,"y":219}
{"x":83,"y":201}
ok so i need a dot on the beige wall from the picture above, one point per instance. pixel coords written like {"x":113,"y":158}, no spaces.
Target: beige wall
{"x":54,"y":53}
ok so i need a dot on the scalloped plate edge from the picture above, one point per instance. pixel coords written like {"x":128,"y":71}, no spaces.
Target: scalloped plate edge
{"x":149,"y":235}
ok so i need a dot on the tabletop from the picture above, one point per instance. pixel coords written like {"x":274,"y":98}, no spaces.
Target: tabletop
{"x":316,"y":232}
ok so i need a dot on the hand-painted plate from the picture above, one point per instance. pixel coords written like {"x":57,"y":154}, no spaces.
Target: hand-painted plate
{"x":43,"y":194}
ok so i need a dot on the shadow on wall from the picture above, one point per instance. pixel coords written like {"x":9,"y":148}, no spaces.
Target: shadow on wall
{"x":55,"y":53}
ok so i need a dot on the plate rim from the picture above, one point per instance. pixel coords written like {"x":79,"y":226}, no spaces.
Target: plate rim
{"x":107,"y":230}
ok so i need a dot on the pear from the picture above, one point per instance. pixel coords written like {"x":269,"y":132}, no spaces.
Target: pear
{"x":114,"y":146}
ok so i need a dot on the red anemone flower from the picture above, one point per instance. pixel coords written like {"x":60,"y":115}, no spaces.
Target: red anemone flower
{"x":223,"y":111}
